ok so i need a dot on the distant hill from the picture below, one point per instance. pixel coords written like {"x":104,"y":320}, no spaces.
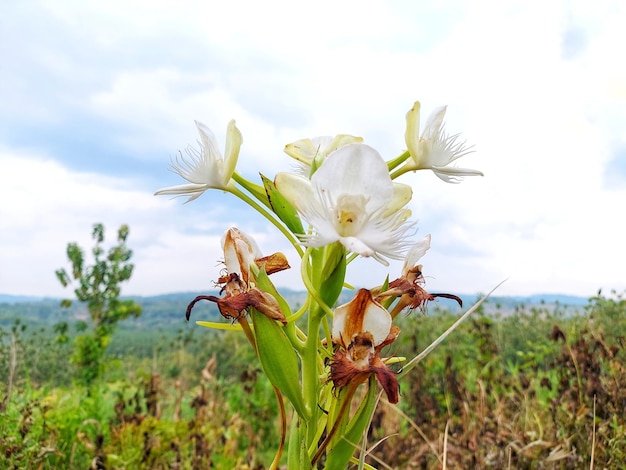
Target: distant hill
{"x":15,"y":299}
{"x":536,"y":299}
{"x":168,"y":310}
{"x":162,"y":310}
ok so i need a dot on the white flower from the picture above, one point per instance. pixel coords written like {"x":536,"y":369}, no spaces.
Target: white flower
{"x":312,"y":152}
{"x":205,"y":168}
{"x":351,"y":199}
{"x":414,"y":254}
{"x":434,"y":149}
{"x":240,"y":251}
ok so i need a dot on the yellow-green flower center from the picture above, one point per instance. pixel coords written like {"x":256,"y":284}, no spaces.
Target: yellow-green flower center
{"x":349,"y":214}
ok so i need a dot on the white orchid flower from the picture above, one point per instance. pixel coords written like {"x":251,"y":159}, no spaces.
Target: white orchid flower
{"x":205,"y":168}
{"x":351,"y":199}
{"x":434,"y":149}
{"x":311,"y":153}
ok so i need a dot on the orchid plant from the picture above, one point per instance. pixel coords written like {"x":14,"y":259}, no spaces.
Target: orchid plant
{"x":342,"y":202}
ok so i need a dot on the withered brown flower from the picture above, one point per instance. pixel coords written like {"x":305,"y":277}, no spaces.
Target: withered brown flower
{"x":408,"y":287}
{"x":237,"y":284}
{"x":361,"y":328}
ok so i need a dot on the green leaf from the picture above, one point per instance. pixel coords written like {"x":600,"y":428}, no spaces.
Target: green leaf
{"x":278,"y":359}
{"x":340,"y":454}
{"x":297,"y":454}
{"x":282,"y":208}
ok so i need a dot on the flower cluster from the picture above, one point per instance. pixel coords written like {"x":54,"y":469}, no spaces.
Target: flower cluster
{"x":343,"y":201}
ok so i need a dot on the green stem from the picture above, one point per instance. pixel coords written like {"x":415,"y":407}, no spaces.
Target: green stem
{"x":293,"y":333}
{"x":311,"y":289}
{"x":351,"y":257}
{"x":310,"y":374}
{"x":328,"y":333}
{"x":399,"y":160}
{"x":399,"y":172}
{"x":256,"y":190}
{"x":312,"y":263}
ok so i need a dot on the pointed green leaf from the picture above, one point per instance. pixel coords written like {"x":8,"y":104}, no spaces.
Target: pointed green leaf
{"x":297,"y":454}
{"x":282,"y":208}
{"x":340,"y":454}
{"x":279,"y":359}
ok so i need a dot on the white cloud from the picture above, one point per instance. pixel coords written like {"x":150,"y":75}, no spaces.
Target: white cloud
{"x":535,"y":86}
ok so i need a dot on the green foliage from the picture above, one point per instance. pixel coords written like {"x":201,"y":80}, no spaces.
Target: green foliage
{"x":99,"y":288}
{"x":516,"y":389}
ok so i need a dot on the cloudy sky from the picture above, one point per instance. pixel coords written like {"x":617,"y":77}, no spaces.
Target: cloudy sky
{"x":96,"y":97}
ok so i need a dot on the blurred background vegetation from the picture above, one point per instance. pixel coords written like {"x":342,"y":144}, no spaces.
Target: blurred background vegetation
{"x":517,"y":386}
{"x":113,"y":382}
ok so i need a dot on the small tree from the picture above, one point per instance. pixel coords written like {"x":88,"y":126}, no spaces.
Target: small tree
{"x":99,"y":287}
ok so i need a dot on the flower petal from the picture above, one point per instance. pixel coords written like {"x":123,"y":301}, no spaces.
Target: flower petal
{"x":387,"y":379}
{"x":415,"y":253}
{"x":296,"y":189}
{"x":305,"y":150}
{"x":362,"y":314}
{"x":402,"y":194}
{"x":451,"y":174}
{"x":434,"y":123}
{"x":231,"y":151}
{"x":412,"y":133}
{"x":355,"y":169}
{"x":240,"y":251}
{"x":343,"y":371}
{"x":181,"y":189}
{"x":377,"y":321}
{"x":208,"y":141}
{"x":194,"y":191}
{"x":299,"y":191}
{"x":266,"y":304}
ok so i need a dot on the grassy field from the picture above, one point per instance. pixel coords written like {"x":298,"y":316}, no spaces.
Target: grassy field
{"x":536,"y":388}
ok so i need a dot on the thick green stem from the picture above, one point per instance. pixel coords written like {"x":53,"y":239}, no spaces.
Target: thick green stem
{"x":310,"y":372}
{"x":312,"y":289}
{"x":311,"y":268}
